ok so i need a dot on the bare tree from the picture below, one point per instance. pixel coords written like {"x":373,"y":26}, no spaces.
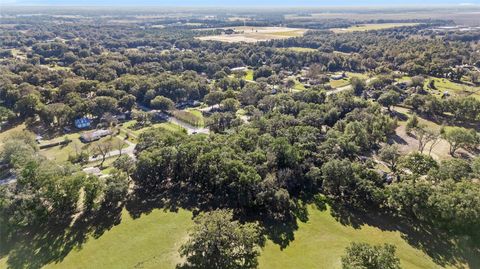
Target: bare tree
{"x":433,"y":143}
{"x":314,"y":71}
{"x":118,"y":145}
{"x":103,"y":148}
{"x":423,"y":135}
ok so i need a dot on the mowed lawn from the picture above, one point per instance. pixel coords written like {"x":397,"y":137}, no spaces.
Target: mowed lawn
{"x":372,"y":26}
{"x":152,"y":241}
{"x":321,"y":241}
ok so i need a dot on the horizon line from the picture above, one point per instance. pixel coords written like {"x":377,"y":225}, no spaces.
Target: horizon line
{"x":243,"y":6}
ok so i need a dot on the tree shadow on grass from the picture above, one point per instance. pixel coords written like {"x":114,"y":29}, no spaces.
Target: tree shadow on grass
{"x":444,"y":248}
{"x":51,"y":242}
{"x":279,"y":229}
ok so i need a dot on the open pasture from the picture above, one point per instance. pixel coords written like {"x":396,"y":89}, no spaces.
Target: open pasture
{"x":370,"y":27}
{"x":251,"y":34}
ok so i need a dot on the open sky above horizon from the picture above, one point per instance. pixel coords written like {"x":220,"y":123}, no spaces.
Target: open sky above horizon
{"x":236,"y":2}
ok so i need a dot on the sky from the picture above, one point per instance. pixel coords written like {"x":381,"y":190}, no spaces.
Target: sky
{"x":237,"y":2}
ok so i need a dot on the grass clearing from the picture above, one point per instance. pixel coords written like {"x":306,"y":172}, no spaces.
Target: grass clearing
{"x":442,"y":85}
{"x":252,"y":34}
{"x":147,"y":242}
{"x":298,"y":86}
{"x":320,"y":243}
{"x":371,"y":26}
{"x":168,"y":126}
{"x":340,"y":83}
{"x":152,"y":241}
{"x":249,"y":74}
{"x":190,"y":116}
{"x":408,"y":144}
{"x":61,"y":153}
{"x":346,"y":81}
{"x":4,"y":134}
{"x":298,"y":49}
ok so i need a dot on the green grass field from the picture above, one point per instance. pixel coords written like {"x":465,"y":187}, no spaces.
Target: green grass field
{"x":372,"y":26}
{"x":152,"y":241}
{"x":298,"y":86}
{"x":5,"y":134}
{"x":340,"y":83}
{"x":320,"y":243}
{"x":443,"y":84}
{"x":190,"y":116}
{"x":249,"y":74}
{"x":298,"y":49}
{"x":292,"y":33}
{"x":346,"y":81}
{"x":168,"y":126}
{"x":61,"y":153}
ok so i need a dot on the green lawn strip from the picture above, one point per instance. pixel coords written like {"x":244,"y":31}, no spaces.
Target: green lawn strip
{"x":151,"y":241}
{"x":287,"y":33}
{"x":321,"y":241}
{"x":249,"y":74}
{"x":443,"y":84}
{"x":298,"y":49}
{"x":168,"y":126}
{"x":364,"y":76}
{"x":299,"y":86}
{"x":190,"y":116}
{"x":5,"y":134}
{"x":61,"y":153}
{"x":372,"y":26}
{"x":340,"y":83}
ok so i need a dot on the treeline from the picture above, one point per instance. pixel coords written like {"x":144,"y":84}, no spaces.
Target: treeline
{"x":52,"y":193}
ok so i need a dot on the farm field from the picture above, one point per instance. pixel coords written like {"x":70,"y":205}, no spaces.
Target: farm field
{"x":298,"y":49}
{"x":255,"y":34}
{"x":154,"y":239}
{"x":370,"y":27}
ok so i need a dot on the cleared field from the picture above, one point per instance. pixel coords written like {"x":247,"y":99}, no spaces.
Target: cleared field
{"x":466,"y":15}
{"x":168,"y":126}
{"x":298,"y":86}
{"x":5,"y":134}
{"x":255,"y":34}
{"x":61,"y":153}
{"x":340,"y":83}
{"x":190,"y":116}
{"x":152,"y":241}
{"x":298,"y":49}
{"x":408,"y":144}
{"x":249,"y":74}
{"x":148,"y":242}
{"x":370,"y":27}
{"x":320,"y":243}
{"x":442,"y":85}
{"x":346,"y":81}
